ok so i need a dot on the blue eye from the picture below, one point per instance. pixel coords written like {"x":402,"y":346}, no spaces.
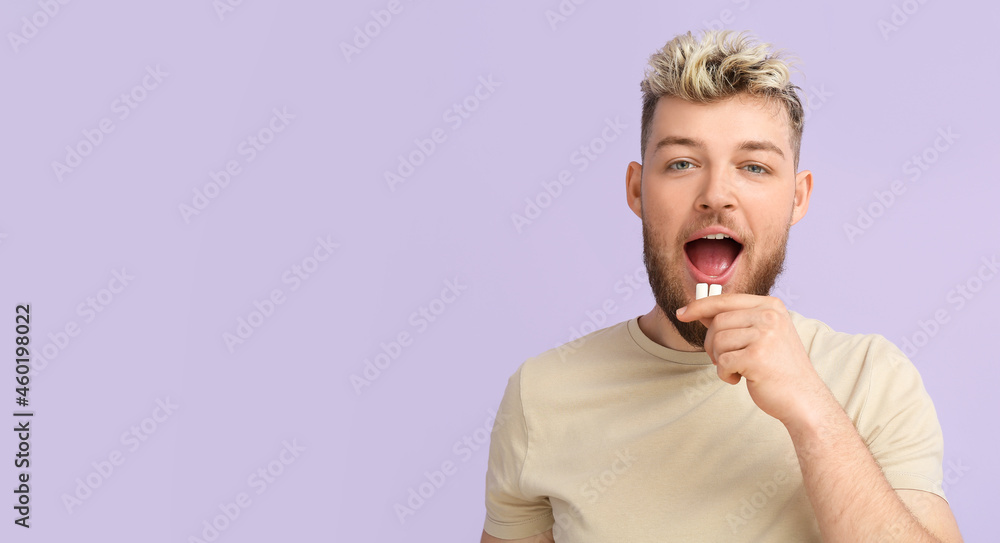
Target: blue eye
{"x":758,"y":166}
{"x":680,"y":162}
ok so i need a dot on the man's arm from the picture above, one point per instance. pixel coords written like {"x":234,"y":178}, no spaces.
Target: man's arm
{"x":752,"y":337}
{"x":545,"y":537}
{"x":511,"y":510}
{"x":933,"y":512}
{"x":849,"y":493}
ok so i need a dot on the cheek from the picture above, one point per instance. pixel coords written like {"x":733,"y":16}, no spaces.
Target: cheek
{"x":666,"y":231}
{"x":769,"y":218}
{"x":667,"y":210}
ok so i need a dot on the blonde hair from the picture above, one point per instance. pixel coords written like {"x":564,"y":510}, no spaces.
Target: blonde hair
{"x":723,"y":64}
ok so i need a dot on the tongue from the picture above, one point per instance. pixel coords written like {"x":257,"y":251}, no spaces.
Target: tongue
{"x":712,"y":257}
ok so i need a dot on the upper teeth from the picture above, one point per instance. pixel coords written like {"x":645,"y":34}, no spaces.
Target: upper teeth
{"x":716,"y":236}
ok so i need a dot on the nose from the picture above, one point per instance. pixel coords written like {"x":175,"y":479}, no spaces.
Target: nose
{"x":717,"y":192}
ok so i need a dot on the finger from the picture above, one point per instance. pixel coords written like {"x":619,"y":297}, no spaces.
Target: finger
{"x":732,"y":378}
{"x":707,"y":308}
{"x":730,"y":339}
{"x":739,"y":318}
{"x":727,"y":364}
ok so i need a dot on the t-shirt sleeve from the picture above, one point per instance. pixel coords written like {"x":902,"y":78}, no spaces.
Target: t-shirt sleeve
{"x":899,"y":423}
{"x":511,"y":511}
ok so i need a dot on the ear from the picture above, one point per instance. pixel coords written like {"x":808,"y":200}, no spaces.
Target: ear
{"x":803,"y":188}
{"x":633,"y":187}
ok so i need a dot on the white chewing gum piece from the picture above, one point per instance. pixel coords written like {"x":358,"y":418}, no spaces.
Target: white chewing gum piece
{"x":700,"y":291}
{"x":714,"y":290}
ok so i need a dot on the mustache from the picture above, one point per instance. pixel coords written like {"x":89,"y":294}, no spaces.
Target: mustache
{"x":720,"y":220}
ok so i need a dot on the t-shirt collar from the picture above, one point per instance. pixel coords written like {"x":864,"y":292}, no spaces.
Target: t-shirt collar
{"x":694,"y":358}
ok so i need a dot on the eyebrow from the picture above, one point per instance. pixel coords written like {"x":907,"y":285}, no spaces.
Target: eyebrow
{"x":748,"y":145}
{"x":677,"y":140}
{"x":760,"y":145}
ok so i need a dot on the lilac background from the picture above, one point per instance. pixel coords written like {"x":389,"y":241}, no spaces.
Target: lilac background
{"x":877,"y":101}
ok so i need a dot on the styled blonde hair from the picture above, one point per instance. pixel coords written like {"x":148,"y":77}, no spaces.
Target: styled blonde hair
{"x":723,"y":64}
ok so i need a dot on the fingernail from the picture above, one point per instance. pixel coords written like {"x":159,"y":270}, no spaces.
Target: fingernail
{"x":681,"y":311}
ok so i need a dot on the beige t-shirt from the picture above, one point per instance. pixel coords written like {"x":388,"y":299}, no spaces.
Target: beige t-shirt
{"x":617,"y":438}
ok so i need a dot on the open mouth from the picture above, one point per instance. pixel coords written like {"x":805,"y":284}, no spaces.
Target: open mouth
{"x":712,"y":258}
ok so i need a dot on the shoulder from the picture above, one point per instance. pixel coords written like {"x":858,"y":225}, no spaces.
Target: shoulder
{"x":823,"y":342}
{"x":591,"y":347}
{"x":559,"y":369}
{"x":862,"y":370}
{"x":856,"y":366}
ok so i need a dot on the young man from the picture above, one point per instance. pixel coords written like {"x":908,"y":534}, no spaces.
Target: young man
{"x":726,"y":418}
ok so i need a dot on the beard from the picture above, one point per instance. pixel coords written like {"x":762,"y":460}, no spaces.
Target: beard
{"x":667,"y":272}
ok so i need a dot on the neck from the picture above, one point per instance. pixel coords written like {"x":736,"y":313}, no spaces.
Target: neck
{"x":658,"y":328}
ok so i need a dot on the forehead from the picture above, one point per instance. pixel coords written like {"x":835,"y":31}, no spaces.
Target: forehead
{"x":724,"y":123}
